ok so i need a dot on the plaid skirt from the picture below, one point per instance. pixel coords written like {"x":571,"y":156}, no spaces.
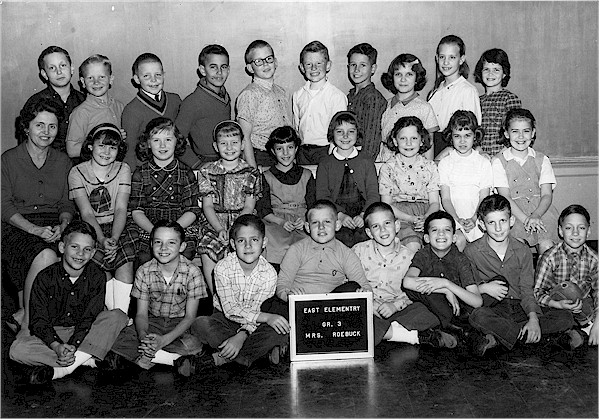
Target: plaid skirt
{"x":212,"y":246}
{"x":126,"y":247}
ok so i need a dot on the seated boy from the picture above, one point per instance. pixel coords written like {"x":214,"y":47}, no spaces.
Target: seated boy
{"x":168,"y":289}
{"x":150,"y":102}
{"x":238,"y":328}
{"x":516,"y":317}
{"x":571,"y":260}
{"x":56,"y":69}
{"x":440,"y":276}
{"x":68,"y":326}
{"x":364,"y":99}
{"x":315,"y":103}
{"x":205,"y":107}
{"x":386,"y":261}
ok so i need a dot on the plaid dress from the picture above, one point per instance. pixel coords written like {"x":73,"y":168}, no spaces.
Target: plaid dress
{"x":228,"y":190}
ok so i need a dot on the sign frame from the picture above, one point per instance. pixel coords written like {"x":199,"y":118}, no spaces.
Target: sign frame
{"x":367,"y":352}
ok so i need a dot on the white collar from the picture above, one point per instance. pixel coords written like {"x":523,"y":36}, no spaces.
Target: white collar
{"x":337,"y":155}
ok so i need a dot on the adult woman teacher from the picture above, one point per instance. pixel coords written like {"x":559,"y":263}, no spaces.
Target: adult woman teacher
{"x":35,"y":204}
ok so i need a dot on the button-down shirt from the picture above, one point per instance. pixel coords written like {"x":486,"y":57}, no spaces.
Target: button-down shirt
{"x":239,"y":296}
{"x":448,"y":99}
{"x":454,"y":266}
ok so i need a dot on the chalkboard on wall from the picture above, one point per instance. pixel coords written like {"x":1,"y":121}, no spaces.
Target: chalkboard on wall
{"x":331,"y":326}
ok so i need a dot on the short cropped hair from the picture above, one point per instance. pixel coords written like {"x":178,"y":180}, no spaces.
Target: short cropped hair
{"x":142,"y":59}
{"x":282,"y":135}
{"x":108,"y":134}
{"x":493,"y":56}
{"x":228,"y":128}
{"x":142,"y":150}
{"x":259,"y":43}
{"x":79,"y":226}
{"x":462,"y":119}
{"x":573,"y":209}
{"x":516,"y":114}
{"x":95,"y":59}
{"x":343,"y":117}
{"x":321,"y":204}
{"x":249,"y":220}
{"x":405,"y":60}
{"x":375,"y":207}
{"x":213,"y":49}
{"x":314,"y":47}
{"x":439,"y":215}
{"x":164,"y":223}
{"x":404,"y":122}
{"x":494,"y":202}
{"x":364,"y":49}
{"x":32,"y":109}
{"x":51,"y":50}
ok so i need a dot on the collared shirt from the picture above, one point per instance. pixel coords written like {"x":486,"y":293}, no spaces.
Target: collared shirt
{"x":313,"y":110}
{"x":516,"y":268}
{"x":168,"y":300}
{"x":368,"y":104}
{"x":385,"y":272}
{"x":559,"y":264}
{"x":414,"y":105}
{"x":239,"y":296}
{"x":454,"y":266}
{"x":266,"y":106}
{"x":338,"y":156}
{"x":448,"y":99}
{"x":319,"y":268}
{"x":500,"y":179}
{"x":494,"y":107}
{"x":56,"y":301}
{"x":409,"y":182}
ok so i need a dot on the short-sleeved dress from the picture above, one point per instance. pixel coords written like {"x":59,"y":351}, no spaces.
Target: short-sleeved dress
{"x":165,"y":193}
{"x":524,"y":179}
{"x":102,"y":196}
{"x":409,"y":186}
{"x":228,"y":190}
{"x":466,"y":176}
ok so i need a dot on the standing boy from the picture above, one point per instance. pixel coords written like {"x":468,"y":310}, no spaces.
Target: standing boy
{"x":262,"y":106}
{"x":168,"y":289}
{"x":572,"y":261}
{"x":56,"y":69}
{"x":364,"y":99}
{"x":238,"y":328}
{"x":386,"y":261}
{"x":150,"y":102}
{"x":68,"y":326}
{"x":205,"y":107}
{"x":315,"y":104}
{"x":516,"y":317}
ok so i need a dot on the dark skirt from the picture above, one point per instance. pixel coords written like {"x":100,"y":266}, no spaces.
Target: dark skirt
{"x":20,"y":248}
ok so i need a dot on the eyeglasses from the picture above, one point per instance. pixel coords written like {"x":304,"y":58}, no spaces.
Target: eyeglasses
{"x":261,"y":61}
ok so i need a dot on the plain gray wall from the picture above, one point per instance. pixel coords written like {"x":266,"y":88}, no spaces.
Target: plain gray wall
{"x":553,"y":48}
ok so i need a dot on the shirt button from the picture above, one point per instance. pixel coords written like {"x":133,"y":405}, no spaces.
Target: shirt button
{"x":68,"y":313}
{"x":72,"y":293}
{"x":41,"y":195}
{"x":35,"y":207}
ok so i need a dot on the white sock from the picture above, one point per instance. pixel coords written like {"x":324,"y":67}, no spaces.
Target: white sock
{"x":91,"y":362}
{"x":121,"y":295}
{"x":588,"y":329}
{"x":165,"y":358}
{"x":109,"y":299}
{"x":80,"y":359}
{"x":401,"y":334}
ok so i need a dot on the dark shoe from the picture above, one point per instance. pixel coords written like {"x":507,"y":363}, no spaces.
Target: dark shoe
{"x":12,"y":324}
{"x":274,"y":355}
{"x":190,"y":365}
{"x":437,"y":338}
{"x":572,"y":339}
{"x":483,"y":343}
{"x":40,"y":375}
{"x":112,"y":361}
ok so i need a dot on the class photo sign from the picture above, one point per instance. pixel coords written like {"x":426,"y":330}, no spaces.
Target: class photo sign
{"x":331,"y":326}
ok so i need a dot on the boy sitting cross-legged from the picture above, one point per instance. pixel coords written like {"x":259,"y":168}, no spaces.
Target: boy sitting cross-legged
{"x":386,"y":261}
{"x":168,"y":289}
{"x":240,"y":330}
{"x":68,"y":326}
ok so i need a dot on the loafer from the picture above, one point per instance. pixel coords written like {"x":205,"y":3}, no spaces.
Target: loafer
{"x":187,"y":366}
{"x":437,"y":338}
{"x":40,"y":375}
{"x":483,"y":343}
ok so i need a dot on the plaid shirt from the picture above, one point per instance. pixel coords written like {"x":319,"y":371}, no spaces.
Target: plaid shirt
{"x":560,"y":264}
{"x":493,"y":110}
{"x":168,"y":300}
{"x":239,"y":296}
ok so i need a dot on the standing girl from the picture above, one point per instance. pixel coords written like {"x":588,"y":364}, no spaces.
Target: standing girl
{"x":347,"y":178}
{"x":493,"y":72}
{"x":451,"y":91}
{"x":409,"y":182}
{"x":288,"y":191}
{"x":163,"y":187}
{"x":465,"y":176}
{"x":405,"y":77}
{"x":101,"y":186}
{"x":229,"y":187}
{"x":525,"y":177}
